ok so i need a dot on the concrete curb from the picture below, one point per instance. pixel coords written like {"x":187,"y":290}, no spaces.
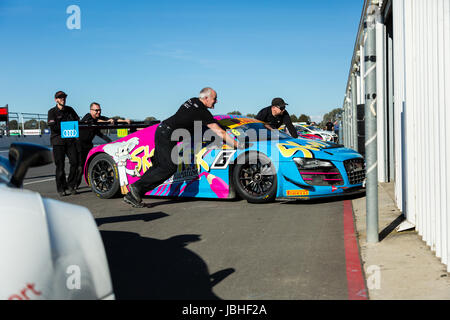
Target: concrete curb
{"x":401,"y":266}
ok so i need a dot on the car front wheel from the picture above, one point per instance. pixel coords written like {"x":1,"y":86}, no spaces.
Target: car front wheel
{"x":255,"y":179}
{"x":103,"y":176}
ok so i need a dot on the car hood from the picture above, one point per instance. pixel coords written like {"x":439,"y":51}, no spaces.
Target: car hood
{"x":287,"y":149}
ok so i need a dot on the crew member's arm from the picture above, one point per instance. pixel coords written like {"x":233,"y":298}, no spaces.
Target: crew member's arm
{"x":124,"y":120}
{"x":288,"y":122}
{"x":113,"y":121}
{"x":262,"y":115}
{"x":74,"y":116}
{"x":225,"y":136}
{"x":53,"y":123}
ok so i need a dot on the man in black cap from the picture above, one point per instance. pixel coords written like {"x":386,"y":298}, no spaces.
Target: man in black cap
{"x":63,"y":147}
{"x":85,"y":141}
{"x":163,"y":166}
{"x":276,"y":115}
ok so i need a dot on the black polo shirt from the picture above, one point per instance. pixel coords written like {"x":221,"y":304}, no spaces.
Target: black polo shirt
{"x":54,"y":118}
{"x":87,"y":135}
{"x":266,"y":115}
{"x":190,"y":111}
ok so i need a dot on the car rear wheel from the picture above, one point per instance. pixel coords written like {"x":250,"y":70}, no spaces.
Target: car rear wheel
{"x":255,"y":179}
{"x":103,"y":176}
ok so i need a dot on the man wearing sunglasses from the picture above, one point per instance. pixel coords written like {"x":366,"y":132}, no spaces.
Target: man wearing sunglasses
{"x":276,"y":115}
{"x":85,"y":143}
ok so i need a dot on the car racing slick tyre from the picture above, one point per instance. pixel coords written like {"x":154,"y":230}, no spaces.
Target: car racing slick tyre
{"x":103,"y":176}
{"x":255,"y":178}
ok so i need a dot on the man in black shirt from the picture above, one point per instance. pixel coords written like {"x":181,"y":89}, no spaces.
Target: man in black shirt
{"x":329,"y":126}
{"x":63,"y":147}
{"x":194,"y":109}
{"x":276,"y":115}
{"x":87,"y":135}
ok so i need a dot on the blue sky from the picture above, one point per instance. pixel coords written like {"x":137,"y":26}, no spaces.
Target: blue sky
{"x":145,"y":58}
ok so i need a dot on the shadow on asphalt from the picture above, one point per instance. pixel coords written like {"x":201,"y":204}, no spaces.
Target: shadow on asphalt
{"x":391,"y":227}
{"x":135,"y":217}
{"x":146,"y":268}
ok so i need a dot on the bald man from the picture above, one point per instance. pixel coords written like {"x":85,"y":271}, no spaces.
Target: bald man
{"x":194,"y":109}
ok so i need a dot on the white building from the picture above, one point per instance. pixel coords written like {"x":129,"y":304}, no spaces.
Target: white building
{"x":412,"y":109}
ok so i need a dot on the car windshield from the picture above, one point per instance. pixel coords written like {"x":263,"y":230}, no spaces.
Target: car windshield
{"x":252,"y":130}
{"x":313,"y":128}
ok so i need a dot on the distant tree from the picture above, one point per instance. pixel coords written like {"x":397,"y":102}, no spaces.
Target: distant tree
{"x":304,"y":118}
{"x":332,"y":115}
{"x":294,"y":118}
{"x":13,"y":125}
{"x":150,"y":119}
{"x":251,"y":115}
{"x":31,"y":124}
{"x":237,"y":113}
{"x":43,"y":125}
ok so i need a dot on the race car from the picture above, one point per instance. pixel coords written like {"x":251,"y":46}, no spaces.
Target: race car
{"x":272,"y":166}
{"x":323,"y":134}
{"x":48,"y":249}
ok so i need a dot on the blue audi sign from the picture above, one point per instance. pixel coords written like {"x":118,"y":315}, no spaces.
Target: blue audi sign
{"x":69,"y":129}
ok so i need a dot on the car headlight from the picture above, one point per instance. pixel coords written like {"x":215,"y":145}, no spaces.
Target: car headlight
{"x":318,"y":172}
{"x":303,"y":163}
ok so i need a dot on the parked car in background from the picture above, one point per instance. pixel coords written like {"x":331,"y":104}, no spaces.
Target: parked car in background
{"x":48,"y":249}
{"x":301,"y":132}
{"x":325,"y":135}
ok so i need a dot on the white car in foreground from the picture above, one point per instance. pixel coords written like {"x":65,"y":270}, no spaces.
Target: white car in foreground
{"x":48,"y":249}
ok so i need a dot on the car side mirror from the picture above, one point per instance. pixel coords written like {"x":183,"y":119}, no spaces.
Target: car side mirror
{"x":26,"y":155}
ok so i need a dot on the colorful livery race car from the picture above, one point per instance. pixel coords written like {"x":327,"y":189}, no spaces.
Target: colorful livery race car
{"x":273,"y":165}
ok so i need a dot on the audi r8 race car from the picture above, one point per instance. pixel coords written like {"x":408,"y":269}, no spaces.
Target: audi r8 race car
{"x":273,"y":165}
{"x":48,"y":249}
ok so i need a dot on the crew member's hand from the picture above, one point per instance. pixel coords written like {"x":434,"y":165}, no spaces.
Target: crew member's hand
{"x":111,"y":121}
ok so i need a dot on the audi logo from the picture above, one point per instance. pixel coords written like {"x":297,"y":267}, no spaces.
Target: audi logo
{"x":72,"y":133}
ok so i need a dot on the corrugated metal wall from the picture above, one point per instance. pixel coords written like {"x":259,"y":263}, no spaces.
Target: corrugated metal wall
{"x":427,"y":113}
{"x":421,"y":115}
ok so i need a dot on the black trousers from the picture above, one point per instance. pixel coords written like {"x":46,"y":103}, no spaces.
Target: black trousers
{"x":60,"y":152}
{"x":163,"y":166}
{"x":83,"y":151}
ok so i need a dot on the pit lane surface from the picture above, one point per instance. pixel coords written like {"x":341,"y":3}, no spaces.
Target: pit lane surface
{"x":215,"y":249}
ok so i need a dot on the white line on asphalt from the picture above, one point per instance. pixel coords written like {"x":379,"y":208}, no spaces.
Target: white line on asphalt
{"x":32,"y":182}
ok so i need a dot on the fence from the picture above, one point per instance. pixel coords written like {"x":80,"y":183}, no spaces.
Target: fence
{"x":25,"y":124}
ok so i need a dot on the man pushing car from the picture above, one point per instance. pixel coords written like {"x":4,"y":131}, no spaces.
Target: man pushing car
{"x":276,"y":115}
{"x":163,"y":166}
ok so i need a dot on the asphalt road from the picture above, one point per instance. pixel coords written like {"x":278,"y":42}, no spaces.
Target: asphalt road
{"x":215,"y":249}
